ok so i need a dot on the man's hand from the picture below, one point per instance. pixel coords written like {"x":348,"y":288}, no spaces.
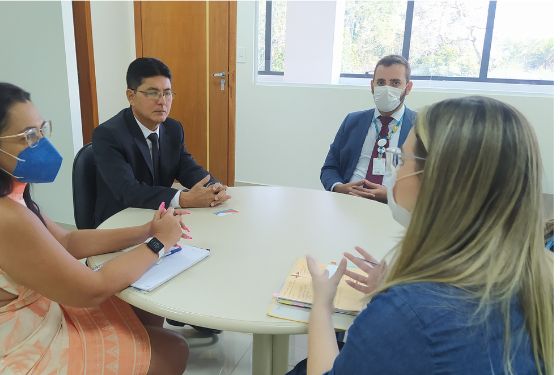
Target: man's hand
{"x":370,"y":190}
{"x":347,"y":188}
{"x":204,"y":196}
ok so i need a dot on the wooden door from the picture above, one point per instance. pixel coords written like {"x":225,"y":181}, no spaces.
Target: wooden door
{"x":196,"y":39}
{"x":86,"y":68}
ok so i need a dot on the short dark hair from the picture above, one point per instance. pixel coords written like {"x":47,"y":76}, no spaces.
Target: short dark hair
{"x":392,"y":60}
{"x":145,"y":67}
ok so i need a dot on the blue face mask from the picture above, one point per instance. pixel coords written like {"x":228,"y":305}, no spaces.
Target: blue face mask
{"x":37,"y":164}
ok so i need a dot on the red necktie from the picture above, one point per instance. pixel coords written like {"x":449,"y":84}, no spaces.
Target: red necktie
{"x":383,"y":134}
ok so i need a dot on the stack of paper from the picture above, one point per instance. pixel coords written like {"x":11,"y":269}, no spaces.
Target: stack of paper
{"x":298,"y":291}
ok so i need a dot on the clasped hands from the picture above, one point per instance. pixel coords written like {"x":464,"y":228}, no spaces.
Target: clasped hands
{"x":204,"y":196}
{"x":324,"y":288}
{"x":363,"y":188}
{"x":167,"y":225}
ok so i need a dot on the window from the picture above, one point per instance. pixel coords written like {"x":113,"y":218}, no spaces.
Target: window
{"x":448,"y":40}
{"x":272,"y":32}
{"x":522,"y":46}
{"x":358,"y":48}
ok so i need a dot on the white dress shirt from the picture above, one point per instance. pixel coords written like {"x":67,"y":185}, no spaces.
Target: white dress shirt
{"x":146,"y":132}
{"x":367,"y":148}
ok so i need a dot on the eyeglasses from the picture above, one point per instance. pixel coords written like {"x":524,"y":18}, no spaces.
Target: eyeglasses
{"x":395,"y":158}
{"x":156,"y":95}
{"x":33,"y":135}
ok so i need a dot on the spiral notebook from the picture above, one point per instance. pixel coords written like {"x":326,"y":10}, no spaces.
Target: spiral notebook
{"x":170,"y":266}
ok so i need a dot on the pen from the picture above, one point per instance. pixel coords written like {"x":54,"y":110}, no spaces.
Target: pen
{"x":170,"y":252}
{"x":373,"y":263}
{"x":173,"y":251}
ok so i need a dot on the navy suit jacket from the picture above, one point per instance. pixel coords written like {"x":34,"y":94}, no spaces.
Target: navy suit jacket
{"x":345,"y":150}
{"x":125,"y":170}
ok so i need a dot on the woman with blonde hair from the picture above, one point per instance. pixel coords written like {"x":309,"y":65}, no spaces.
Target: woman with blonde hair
{"x":470,"y":286}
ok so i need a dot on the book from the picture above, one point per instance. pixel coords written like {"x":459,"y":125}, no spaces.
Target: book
{"x":297,"y":293}
{"x":170,"y":266}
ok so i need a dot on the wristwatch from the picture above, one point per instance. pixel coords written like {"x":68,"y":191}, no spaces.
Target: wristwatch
{"x":156,"y":246}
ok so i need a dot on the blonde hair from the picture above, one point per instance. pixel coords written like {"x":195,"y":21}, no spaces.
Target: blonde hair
{"x":478,"y":220}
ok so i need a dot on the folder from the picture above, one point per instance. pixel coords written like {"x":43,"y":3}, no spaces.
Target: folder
{"x":296,"y":296}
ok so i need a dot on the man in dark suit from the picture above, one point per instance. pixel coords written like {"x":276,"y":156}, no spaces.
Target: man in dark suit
{"x":140,"y":151}
{"x":355,"y":162}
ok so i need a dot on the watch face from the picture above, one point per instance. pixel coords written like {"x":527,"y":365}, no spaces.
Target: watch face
{"x":155,"y":245}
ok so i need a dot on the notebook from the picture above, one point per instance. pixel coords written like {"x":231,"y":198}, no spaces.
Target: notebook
{"x":297,"y":294}
{"x":170,"y":266}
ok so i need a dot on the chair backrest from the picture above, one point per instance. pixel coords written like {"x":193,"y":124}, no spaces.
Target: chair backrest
{"x":84,"y":188}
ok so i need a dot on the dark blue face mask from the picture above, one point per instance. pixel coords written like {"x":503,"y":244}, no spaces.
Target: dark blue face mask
{"x":37,"y":164}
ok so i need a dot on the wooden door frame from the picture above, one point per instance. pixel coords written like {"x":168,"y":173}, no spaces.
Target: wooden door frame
{"x":232,"y":90}
{"x":232,"y":60}
{"x":86,"y":68}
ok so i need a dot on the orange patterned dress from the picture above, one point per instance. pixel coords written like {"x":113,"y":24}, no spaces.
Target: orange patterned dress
{"x":39,"y":336}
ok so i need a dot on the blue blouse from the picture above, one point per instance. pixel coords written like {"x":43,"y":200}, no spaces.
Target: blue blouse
{"x":427,"y":328}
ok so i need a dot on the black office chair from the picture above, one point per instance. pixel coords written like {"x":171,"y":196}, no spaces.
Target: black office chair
{"x":84,"y":188}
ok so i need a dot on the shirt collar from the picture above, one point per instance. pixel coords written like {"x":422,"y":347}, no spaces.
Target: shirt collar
{"x":145,"y":131}
{"x":397,"y":115}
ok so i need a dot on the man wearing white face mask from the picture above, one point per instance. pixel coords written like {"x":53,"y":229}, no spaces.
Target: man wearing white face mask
{"x":355,"y":163}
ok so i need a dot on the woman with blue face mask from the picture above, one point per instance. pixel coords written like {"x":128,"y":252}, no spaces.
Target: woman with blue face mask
{"x":470,"y":287}
{"x":57,"y":315}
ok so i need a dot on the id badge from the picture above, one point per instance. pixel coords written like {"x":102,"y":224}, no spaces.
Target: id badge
{"x":378,"y":166}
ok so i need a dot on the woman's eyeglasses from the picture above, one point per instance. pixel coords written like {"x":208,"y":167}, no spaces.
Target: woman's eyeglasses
{"x":395,"y":158}
{"x":33,"y":135}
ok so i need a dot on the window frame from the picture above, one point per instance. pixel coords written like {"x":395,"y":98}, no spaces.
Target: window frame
{"x":484,"y":63}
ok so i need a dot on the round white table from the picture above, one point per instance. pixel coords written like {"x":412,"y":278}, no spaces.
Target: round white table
{"x":252,"y":252}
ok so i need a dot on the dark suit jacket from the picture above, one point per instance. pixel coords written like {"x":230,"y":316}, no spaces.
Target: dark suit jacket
{"x":124,"y":165}
{"x":345,"y":150}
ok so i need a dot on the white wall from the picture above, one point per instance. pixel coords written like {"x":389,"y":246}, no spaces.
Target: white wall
{"x":284,"y":131}
{"x":38,"y":54}
{"x":114,"y":49}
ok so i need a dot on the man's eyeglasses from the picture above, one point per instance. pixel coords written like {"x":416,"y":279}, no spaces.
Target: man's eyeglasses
{"x":156,"y":95}
{"x":33,"y":135}
{"x":395,"y":158}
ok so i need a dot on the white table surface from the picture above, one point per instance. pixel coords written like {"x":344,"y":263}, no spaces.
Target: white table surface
{"x":252,"y":252}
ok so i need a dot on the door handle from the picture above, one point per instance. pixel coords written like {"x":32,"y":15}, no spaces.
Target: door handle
{"x":222,"y":76}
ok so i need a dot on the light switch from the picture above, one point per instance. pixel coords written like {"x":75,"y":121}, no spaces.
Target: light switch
{"x":241,"y":54}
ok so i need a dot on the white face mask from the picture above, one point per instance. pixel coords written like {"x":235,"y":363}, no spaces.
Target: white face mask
{"x":400,"y":214}
{"x":387,"y":98}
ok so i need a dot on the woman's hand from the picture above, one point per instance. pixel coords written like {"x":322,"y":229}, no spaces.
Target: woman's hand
{"x":168,"y":227}
{"x":324,"y":288}
{"x":374,"y":270}
{"x":157,"y":215}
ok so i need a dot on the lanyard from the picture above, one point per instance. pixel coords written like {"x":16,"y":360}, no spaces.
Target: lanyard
{"x":392,"y":130}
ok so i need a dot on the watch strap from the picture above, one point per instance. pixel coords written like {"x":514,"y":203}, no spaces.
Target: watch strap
{"x":156,"y":246}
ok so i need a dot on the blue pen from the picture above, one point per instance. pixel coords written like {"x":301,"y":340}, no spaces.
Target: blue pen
{"x":170,"y":252}
{"x":173,"y":251}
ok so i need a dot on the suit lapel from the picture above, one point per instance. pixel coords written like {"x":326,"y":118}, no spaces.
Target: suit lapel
{"x":406,"y":125}
{"x":139,"y":139}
